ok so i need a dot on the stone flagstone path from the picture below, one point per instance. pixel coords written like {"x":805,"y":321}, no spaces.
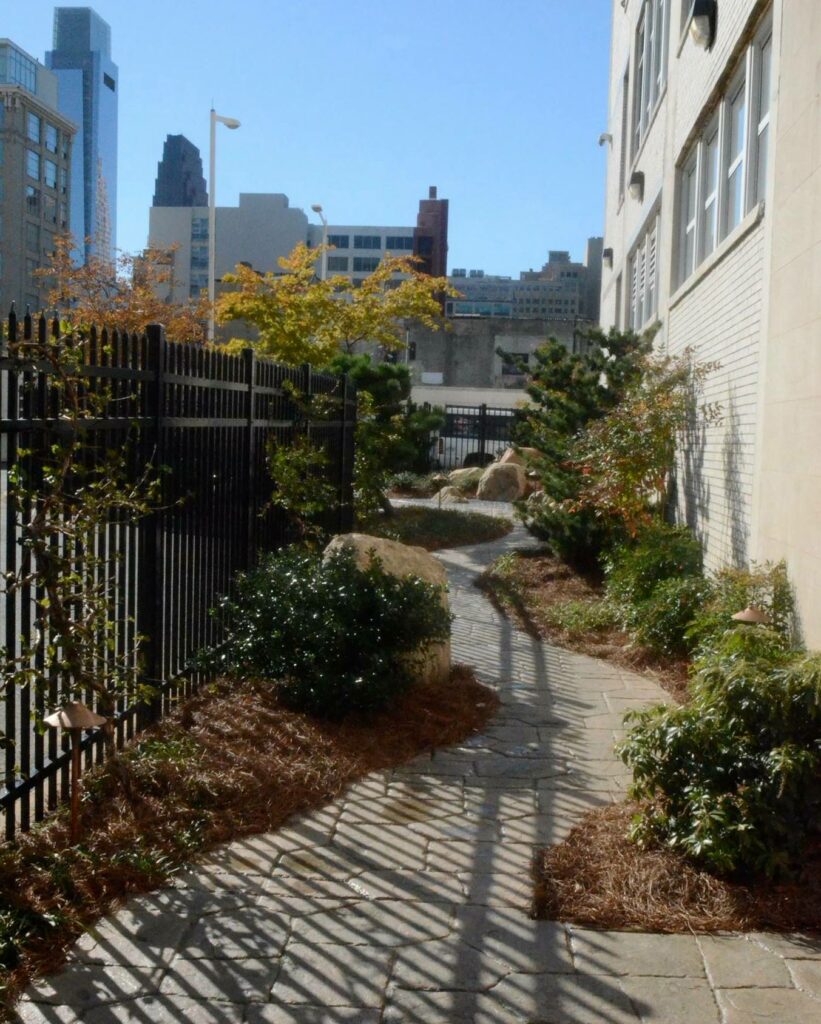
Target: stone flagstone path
{"x":406,"y":899}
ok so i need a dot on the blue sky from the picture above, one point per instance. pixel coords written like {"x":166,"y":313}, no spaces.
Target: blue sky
{"x":361,"y":105}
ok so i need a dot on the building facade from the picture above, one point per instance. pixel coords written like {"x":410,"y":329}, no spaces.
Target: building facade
{"x":180,"y":181}
{"x":263,"y":228}
{"x":35,"y":185}
{"x":713,"y":226}
{"x":88,"y":83}
{"x":562,"y":289}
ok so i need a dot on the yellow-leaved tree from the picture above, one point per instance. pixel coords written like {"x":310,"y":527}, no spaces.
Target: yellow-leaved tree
{"x":301,"y":319}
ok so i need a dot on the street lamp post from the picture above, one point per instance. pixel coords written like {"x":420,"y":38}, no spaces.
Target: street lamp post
{"x":323,"y":263}
{"x":229,"y":122}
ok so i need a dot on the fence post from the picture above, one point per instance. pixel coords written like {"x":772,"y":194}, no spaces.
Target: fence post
{"x":151,"y":575}
{"x":249,"y":358}
{"x":343,"y":516}
{"x":482,"y":431}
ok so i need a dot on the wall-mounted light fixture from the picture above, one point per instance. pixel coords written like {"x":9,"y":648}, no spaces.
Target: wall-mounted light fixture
{"x":703,"y":22}
{"x":605,"y":137}
{"x":607,"y":256}
{"x":636,"y":185}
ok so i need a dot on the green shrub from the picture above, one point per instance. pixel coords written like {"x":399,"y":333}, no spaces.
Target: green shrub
{"x":732,"y":779}
{"x":766,"y":587}
{"x":660,"y":623}
{"x":333,"y":637}
{"x":580,"y":618}
{"x":660,"y":552}
{"x":420,"y":485}
{"x":468,"y":480}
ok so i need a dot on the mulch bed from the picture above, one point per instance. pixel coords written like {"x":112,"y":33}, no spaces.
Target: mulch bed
{"x":598,"y":878}
{"x":540,"y":581}
{"x":228,"y":763}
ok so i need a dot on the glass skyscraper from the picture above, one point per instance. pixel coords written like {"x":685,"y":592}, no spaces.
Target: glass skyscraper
{"x":88,"y":82}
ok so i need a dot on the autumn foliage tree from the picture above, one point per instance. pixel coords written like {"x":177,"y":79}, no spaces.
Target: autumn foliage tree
{"x":124,"y":296}
{"x":301,"y":319}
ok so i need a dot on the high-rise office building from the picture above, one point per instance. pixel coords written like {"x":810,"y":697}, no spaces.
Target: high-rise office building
{"x":35,"y":188}
{"x":180,"y":180}
{"x":87,"y":78}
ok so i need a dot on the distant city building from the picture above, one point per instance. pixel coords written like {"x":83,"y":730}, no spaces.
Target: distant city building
{"x":560,"y":290}
{"x":35,"y":187}
{"x":180,"y":181}
{"x":264,"y":227}
{"x":81,"y":59}
{"x":430,"y":237}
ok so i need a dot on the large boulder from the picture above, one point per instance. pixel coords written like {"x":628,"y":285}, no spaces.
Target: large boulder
{"x":521,"y":456}
{"x":402,"y":560}
{"x":452,"y":496}
{"x":466,"y":479}
{"x":502,"y":482}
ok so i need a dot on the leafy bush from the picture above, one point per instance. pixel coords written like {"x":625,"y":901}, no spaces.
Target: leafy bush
{"x":660,"y":552}
{"x":660,"y":623}
{"x":761,"y":586}
{"x":421,"y":485}
{"x":333,"y":637}
{"x":580,"y":618}
{"x":734,"y":778}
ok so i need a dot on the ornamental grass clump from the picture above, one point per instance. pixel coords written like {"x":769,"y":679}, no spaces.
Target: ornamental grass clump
{"x":733,"y":780}
{"x":332,"y":638}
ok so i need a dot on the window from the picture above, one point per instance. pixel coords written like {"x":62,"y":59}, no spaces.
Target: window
{"x":32,"y":236}
{"x":33,"y":128}
{"x":63,"y":215}
{"x":725,"y":172}
{"x":736,"y":152}
{"x":397,"y":242}
{"x":650,"y":66}
{"x":63,"y":181}
{"x":763,"y":72}
{"x":199,"y":227}
{"x":643,"y":278}
{"x":50,"y":173}
{"x":31,"y":267}
{"x":32,"y":200}
{"x":367,"y":242}
{"x":51,"y":138}
{"x":709,"y":192}
{"x":109,"y":82}
{"x":49,"y":209}
{"x":17,"y":69}
{"x":339,"y":241}
{"x":365,"y":263}
{"x":33,"y":164}
{"x":337,"y":262}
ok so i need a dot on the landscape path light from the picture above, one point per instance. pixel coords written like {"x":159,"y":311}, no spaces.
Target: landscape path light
{"x":229,"y":122}
{"x":323,"y":263}
{"x":75,"y":718}
{"x":752,"y":616}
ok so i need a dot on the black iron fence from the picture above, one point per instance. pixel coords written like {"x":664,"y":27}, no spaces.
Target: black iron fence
{"x":206,"y":419}
{"x":473,"y":435}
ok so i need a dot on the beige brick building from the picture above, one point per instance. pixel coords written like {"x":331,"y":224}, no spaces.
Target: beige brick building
{"x":718,"y":239}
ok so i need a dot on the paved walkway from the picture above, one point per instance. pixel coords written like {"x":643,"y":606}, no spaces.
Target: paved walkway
{"x":405,"y":900}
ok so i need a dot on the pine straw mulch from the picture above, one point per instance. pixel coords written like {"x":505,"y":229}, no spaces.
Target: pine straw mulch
{"x":229,"y":762}
{"x":598,"y":878}
{"x":538,"y":581}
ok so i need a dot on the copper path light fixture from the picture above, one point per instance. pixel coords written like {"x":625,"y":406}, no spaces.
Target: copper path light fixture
{"x":76,"y":718}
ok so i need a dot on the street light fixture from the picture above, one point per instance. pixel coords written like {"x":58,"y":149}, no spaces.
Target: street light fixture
{"x":703,"y":22}
{"x":323,"y":263}
{"x":229,"y":122}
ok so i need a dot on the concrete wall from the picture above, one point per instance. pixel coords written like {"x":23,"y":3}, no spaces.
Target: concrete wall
{"x":788,"y":520}
{"x":466,"y":355}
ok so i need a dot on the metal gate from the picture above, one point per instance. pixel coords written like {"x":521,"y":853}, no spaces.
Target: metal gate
{"x":473,"y":435}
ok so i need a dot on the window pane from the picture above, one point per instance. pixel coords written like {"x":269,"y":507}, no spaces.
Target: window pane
{"x":32,"y":200}
{"x":50,"y":174}
{"x":710,"y":228}
{"x":735,"y":197}
{"x":761,"y":173}
{"x":51,"y":138}
{"x":33,"y":127}
{"x":33,"y":164}
{"x":738,"y":111}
